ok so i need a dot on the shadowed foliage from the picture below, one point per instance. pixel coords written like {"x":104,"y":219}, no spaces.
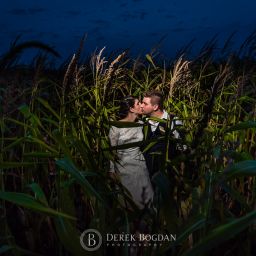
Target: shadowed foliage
{"x":55,"y":152}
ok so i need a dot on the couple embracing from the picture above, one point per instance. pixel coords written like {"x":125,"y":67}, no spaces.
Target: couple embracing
{"x":134,"y":168}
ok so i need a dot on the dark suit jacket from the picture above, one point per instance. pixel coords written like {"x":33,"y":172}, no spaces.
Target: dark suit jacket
{"x":155,"y":156}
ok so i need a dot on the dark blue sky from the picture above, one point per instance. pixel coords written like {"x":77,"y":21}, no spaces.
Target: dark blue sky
{"x":118,"y":24}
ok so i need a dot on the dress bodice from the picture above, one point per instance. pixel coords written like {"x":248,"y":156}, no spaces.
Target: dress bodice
{"x":121,"y":136}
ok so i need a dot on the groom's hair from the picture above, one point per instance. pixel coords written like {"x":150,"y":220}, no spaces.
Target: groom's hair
{"x":156,"y":98}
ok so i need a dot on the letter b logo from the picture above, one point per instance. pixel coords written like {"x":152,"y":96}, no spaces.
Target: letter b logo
{"x":91,"y":240}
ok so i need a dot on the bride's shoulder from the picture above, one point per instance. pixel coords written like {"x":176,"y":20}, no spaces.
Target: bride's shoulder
{"x":114,"y":129}
{"x":140,"y":122}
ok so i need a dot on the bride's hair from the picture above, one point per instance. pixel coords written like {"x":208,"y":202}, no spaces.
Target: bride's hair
{"x":125,"y":105}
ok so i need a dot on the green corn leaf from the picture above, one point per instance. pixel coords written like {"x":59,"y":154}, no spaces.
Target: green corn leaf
{"x":9,"y":165}
{"x":13,"y":144}
{"x":150,"y":60}
{"x":9,"y":139}
{"x":238,"y":156}
{"x":66,"y":201}
{"x":242,"y":126}
{"x":41,"y":154}
{"x":5,"y":248}
{"x":85,"y":153}
{"x":61,"y":142}
{"x":30,"y":202}
{"x":127,"y":230}
{"x":154,"y":80}
{"x":47,"y":106}
{"x":90,"y":106}
{"x":67,"y":165}
{"x":17,"y":251}
{"x":163,"y":184}
{"x":17,"y":49}
{"x":221,"y":234}
{"x":35,"y":121}
{"x":236,"y":196}
{"x":156,"y":119}
{"x":69,"y":236}
{"x":244,"y":168}
{"x":198,"y":224}
{"x":136,"y":81}
{"x":39,"y":194}
{"x":42,"y":143}
{"x":195,"y":224}
{"x":25,"y":252}
{"x":147,"y":144}
{"x":121,"y":124}
{"x":18,"y":123}
{"x":50,"y":121}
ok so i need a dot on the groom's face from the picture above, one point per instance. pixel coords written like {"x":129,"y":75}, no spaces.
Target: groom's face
{"x":146,"y":106}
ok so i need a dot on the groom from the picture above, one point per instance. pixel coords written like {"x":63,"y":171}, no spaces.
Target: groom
{"x":155,"y":156}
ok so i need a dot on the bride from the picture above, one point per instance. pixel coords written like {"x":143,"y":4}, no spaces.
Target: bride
{"x":131,"y":165}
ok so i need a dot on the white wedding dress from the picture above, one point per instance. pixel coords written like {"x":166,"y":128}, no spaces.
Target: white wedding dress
{"x":131,"y":165}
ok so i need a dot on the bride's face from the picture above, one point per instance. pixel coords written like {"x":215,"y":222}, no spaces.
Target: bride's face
{"x":137,"y":107}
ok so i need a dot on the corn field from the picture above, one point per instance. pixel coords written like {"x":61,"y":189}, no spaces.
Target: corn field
{"x":55,"y":152}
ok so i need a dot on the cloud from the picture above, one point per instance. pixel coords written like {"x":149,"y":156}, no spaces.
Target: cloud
{"x":203,"y":19}
{"x":160,"y":10}
{"x":170,"y":16}
{"x":100,"y":38}
{"x":123,"y":5}
{"x":123,"y":34}
{"x":181,"y":29}
{"x":29,"y":11}
{"x":100,"y":22}
{"x":127,"y":16}
{"x":36,"y":10}
{"x":203,"y":28}
{"x":141,"y":14}
{"x":154,"y":34}
{"x":94,"y":31}
{"x":25,"y":31}
{"x":73,"y":13}
{"x":18,"y":11}
{"x":54,"y":35}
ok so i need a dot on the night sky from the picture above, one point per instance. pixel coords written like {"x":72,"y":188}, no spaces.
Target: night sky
{"x":118,"y":24}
